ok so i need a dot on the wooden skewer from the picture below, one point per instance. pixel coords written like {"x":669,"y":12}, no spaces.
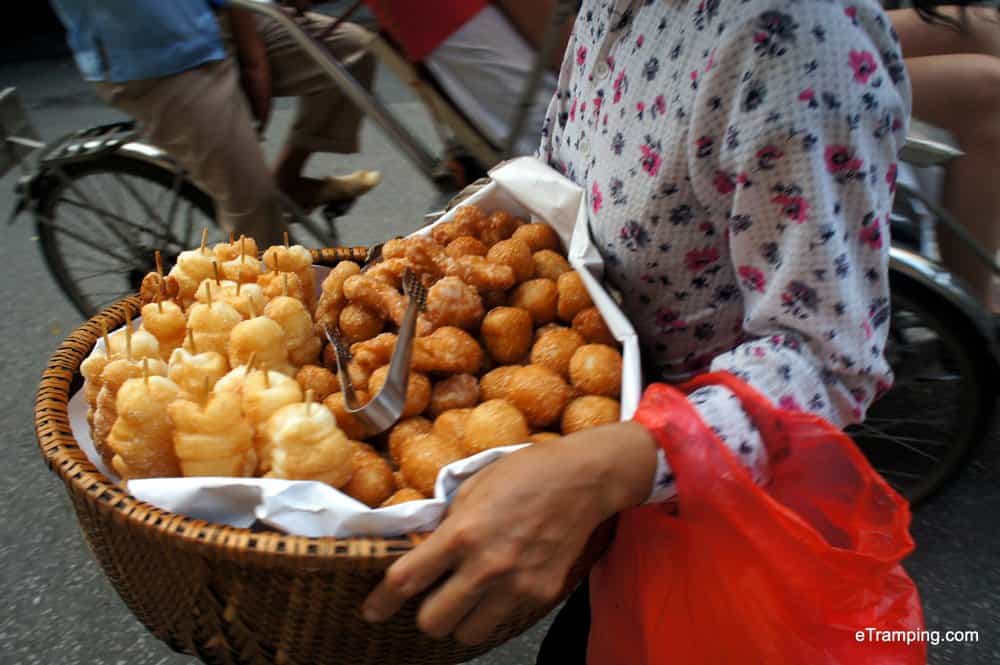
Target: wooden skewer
{"x":215,"y":269}
{"x":204,"y":239}
{"x":159,"y":299}
{"x":145,"y":372}
{"x":208,"y":291}
{"x":194,"y":349}
{"x":107,"y":340}
{"x":250,"y":362}
{"x":286,"y":239}
{"x":232,"y":238}
{"x":206,"y":383}
{"x":128,"y":335}
{"x":239,"y":285}
{"x":284,"y":286}
{"x":159,"y":263}
{"x":267,"y":378}
{"x":243,"y":250}
{"x":310,"y":396}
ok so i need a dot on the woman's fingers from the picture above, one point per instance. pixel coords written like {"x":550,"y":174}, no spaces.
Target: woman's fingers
{"x":447,"y":606}
{"x":480,"y":623}
{"x":412,"y":574}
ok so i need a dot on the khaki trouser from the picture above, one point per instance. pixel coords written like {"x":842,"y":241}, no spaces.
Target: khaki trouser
{"x":203,"y":120}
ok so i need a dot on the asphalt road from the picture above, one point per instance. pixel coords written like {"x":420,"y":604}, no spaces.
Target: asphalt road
{"x":56,"y":606}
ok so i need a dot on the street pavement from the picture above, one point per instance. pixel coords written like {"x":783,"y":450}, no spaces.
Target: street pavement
{"x":56,"y":606}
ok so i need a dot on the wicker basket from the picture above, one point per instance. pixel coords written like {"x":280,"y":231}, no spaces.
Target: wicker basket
{"x":230,"y":595}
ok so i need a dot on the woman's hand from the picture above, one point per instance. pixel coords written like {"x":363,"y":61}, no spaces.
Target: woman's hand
{"x":515,"y":528}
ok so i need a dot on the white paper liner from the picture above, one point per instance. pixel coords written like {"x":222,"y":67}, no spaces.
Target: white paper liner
{"x":524,"y":187}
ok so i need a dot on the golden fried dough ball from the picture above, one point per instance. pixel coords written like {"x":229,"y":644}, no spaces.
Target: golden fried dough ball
{"x":423,"y":457}
{"x":513,"y":253}
{"x":452,"y":302}
{"x":596,"y":369}
{"x":404,"y":495}
{"x":538,"y":236}
{"x":332,"y":300}
{"x":372,"y":482}
{"x":589,"y":323}
{"x":447,"y":350}
{"x":418,"y":390}
{"x":358,"y":323}
{"x":306,"y":444}
{"x":389,"y":271}
{"x":498,"y":227}
{"x":366,"y":290}
{"x":394,"y":248}
{"x":539,"y":393}
{"x":353,"y":428}
{"x":166,"y":322}
{"x":493,"y":424}
{"x":539,"y":297}
{"x":359,"y":373}
{"x":273,"y":284}
{"x":405,"y":430}
{"x":507,"y":333}
{"x":495,"y":384}
{"x":465,"y":246}
{"x":549,"y":264}
{"x":589,"y":411}
{"x":573,"y":296}
{"x":318,"y":379}
{"x":554,"y":347}
{"x":450,"y":425}
{"x":467,"y":221}
{"x":544,"y":437}
{"x":261,"y":336}
{"x":456,"y":392}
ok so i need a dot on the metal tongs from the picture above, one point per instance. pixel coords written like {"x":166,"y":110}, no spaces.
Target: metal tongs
{"x":385,"y":407}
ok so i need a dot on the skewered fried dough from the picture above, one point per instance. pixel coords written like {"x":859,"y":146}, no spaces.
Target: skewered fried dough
{"x":141,"y":440}
{"x":308,"y":445}
{"x":213,"y":439}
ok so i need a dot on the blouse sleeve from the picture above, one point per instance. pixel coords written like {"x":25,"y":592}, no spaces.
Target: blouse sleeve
{"x":794,"y":135}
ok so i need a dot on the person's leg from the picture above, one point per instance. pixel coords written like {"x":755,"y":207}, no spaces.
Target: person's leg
{"x":961,"y":93}
{"x":918,"y":38}
{"x":566,"y":641}
{"x":484,"y":67}
{"x":326,"y":121}
{"x":201,"y":118}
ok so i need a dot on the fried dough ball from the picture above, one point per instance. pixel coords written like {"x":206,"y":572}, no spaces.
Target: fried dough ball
{"x":400,"y":480}
{"x":494,"y":299}
{"x":105,"y":411}
{"x":596,"y":369}
{"x":213,"y":439}
{"x":450,"y":425}
{"x":192,"y":267}
{"x":538,"y":236}
{"x":465,"y":246}
{"x":428,"y":257}
{"x":456,"y":392}
{"x":555,"y":347}
{"x":296,"y":259}
{"x":372,"y":353}
{"x":544,"y":437}
{"x":507,"y":333}
{"x":498,"y":227}
{"x":377,"y":295}
{"x":332,"y":300}
{"x":405,"y":430}
{"x":467,"y":221}
{"x":264,"y":394}
{"x":492,"y":424}
{"x":353,"y":428}
{"x":261,"y":336}
{"x":247,"y":299}
{"x":318,"y":379}
{"x":589,"y":411}
{"x":394,"y":248}
{"x":404,"y":495}
{"x":389,"y":271}
{"x":227,"y":251}
{"x":196,"y":373}
{"x":166,"y":322}
{"x":358,"y":323}
{"x":573,"y":296}
{"x":211,"y":326}
{"x":539,"y":393}
{"x":447,"y":350}
{"x":274,"y":284}
{"x":359,"y":374}
{"x":300,"y":339}
{"x":589,"y":323}
{"x":142,"y":436}
{"x":513,"y":253}
{"x":306,"y":444}
{"x":154,"y":286}
{"x":549,"y":264}
{"x":244,"y":269}
{"x":423,"y":457}
{"x":372,"y":482}
{"x":495,"y":384}
{"x":452,"y":302}
{"x":418,"y":390}
{"x":539,"y":297}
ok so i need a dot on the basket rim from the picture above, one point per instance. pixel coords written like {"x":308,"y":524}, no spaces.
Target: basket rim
{"x":67,"y":460}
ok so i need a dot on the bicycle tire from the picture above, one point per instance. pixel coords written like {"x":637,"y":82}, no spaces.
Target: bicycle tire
{"x":960,"y":349}
{"x":49,"y":233}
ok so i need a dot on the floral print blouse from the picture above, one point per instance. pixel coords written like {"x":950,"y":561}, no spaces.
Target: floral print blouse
{"x":739,"y":159}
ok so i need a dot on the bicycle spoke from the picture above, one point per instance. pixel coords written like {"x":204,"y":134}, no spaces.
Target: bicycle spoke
{"x":149,"y":211}
{"x":899,"y":442}
{"x":901,"y":474}
{"x":85,"y":241}
{"x":98,"y":212}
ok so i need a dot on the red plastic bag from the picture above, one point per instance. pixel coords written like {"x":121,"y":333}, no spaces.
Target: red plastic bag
{"x":735,"y":573}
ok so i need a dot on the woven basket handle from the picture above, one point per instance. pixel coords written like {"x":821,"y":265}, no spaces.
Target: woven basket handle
{"x":331,"y":256}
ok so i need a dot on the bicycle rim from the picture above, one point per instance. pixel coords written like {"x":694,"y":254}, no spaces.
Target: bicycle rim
{"x":919,"y":434}
{"x":100,"y":223}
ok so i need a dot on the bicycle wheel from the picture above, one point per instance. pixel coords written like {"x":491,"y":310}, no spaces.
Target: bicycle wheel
{"x":99,"y":223}
{"x":921,"y":432}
